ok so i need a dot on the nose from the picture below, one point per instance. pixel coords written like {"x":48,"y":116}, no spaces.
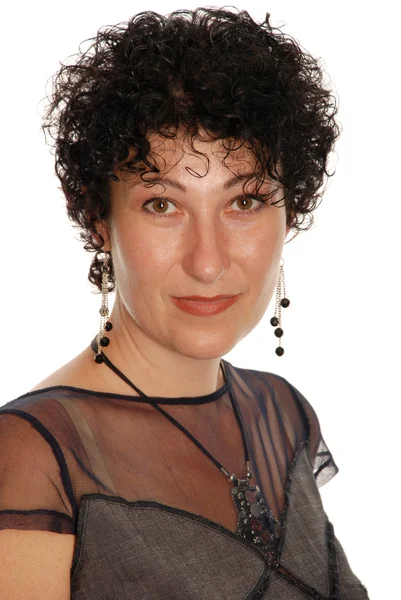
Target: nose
{"x":206,"y":255}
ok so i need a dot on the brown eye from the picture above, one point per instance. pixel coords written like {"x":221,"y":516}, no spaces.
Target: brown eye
{"x":159,"y":203}
{"x":245,"y":202}
{"x":159,"y":207}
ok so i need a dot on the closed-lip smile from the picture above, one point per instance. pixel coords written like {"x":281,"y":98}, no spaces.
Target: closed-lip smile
{"x":201,"y":306}
{"x":206,"y":298}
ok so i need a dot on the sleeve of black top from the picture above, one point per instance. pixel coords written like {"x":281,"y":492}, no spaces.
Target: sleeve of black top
{"x":32,"y":494}
{"x":324,"y":466}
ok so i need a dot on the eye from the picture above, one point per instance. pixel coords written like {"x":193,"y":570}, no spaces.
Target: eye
{"x":161,"y":204}
{"x":245,"y":201}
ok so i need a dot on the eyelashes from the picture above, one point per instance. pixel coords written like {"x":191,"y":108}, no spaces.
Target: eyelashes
{"x":261,"y":201}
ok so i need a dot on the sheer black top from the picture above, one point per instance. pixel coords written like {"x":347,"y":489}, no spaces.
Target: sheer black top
{"x":153,"y":516}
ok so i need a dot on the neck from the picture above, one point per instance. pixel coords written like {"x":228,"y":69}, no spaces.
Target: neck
{"x":155,"y":369}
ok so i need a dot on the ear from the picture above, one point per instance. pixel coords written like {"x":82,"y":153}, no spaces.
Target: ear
{"x":102,"y":228}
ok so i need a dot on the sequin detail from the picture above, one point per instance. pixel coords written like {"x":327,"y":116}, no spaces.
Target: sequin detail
{"x":256,"y":521}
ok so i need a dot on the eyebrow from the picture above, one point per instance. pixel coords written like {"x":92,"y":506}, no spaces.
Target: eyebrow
{"x":227,"y":185}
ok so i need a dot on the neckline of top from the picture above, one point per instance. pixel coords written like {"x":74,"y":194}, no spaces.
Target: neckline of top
{"x":144,"y":399}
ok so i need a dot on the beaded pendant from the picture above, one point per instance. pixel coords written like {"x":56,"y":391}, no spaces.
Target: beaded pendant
{"x":256,"y":521}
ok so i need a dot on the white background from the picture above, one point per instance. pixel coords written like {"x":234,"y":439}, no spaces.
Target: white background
{"x":342,"y":329}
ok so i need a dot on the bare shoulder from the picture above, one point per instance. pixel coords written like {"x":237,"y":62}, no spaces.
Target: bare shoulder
{"x":83,"y":372}
{"x":35,"y":564}
{"x":78,"y":372}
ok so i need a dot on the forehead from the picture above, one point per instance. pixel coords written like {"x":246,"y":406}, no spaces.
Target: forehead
{"x":186,"y":158}
{"x":216,"y":150}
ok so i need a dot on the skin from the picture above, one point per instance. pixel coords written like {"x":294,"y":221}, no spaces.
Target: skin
{"x":204,"y":247}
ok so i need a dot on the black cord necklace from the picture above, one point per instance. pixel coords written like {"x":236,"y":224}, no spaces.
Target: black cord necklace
{"x":256,"y":521}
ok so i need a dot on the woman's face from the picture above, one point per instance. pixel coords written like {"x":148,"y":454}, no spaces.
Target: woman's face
{"x":194,"y":239}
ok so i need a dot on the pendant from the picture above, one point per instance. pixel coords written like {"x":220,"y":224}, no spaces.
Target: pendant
{"x":256,"y":521}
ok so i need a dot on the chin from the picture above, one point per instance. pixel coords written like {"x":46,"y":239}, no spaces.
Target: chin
{"x":206,"y":346}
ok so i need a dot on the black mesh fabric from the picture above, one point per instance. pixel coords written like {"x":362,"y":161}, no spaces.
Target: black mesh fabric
{"x":152,"y":515}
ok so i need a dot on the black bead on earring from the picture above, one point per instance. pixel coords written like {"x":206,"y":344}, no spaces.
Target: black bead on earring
{"x":105,"y":325}
{"x":280,"y":302}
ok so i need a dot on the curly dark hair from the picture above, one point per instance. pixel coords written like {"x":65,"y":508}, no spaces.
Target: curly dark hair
{"x":209,"y":69}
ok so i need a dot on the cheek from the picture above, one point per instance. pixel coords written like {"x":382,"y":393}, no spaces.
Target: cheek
{"x":260,"y":255}
{"x":142,"y":261}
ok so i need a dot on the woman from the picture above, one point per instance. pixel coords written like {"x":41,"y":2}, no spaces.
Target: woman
{"x":187,"y":147}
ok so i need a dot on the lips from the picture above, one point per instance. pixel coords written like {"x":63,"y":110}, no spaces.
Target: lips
{"x":210,"y":306}
{"x":206,"y":298}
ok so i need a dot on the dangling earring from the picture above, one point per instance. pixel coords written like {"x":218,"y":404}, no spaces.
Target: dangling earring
{"x":280,"y":302}
{"x":105,"y":325}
